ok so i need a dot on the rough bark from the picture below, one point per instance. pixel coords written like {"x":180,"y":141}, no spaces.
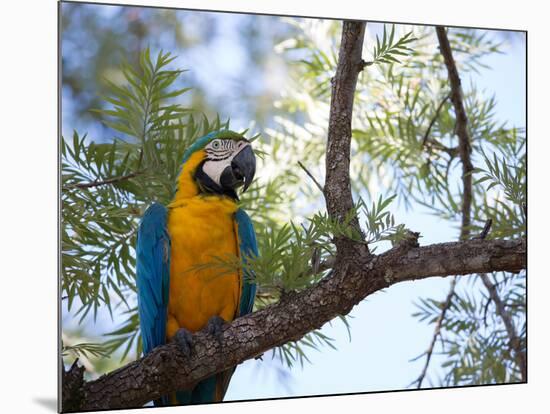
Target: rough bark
{"x":71,"y":390}
{"x":338,"y":185}
{"x":354,"y":278}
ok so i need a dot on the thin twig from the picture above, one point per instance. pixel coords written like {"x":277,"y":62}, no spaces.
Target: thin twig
{"x":514,"y":340}
{"x":436,"y":115}
{"x":485,"y":230}
{"x":437,"y":332}
{"x":485,"y":310}
{"x":319,"y":186}
{"x":451,"y":151}
{"x":108,"y":181}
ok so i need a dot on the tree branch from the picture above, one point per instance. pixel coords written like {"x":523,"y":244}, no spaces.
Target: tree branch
{"x":113,"y":180}
{"x":437,"y":332}
{"x":432,"y":122}
{"x":485,"y":230}
{"x":337,"y":183}
{"x":319,"y":186}
{"x":464,"y":150}
{"x":165,"y":369}
{"x":464,"y":146}
{"x":515,"y":343}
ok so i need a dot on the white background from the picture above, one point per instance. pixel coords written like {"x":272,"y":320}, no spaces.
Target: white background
{"x":28,"y":163}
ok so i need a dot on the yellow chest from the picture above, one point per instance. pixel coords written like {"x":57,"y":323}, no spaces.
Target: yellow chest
{"x":201,"y":228}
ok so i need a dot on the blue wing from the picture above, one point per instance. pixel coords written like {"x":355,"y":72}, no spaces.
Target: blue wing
{"x":248,"y":248}
{"x":153,"y":276}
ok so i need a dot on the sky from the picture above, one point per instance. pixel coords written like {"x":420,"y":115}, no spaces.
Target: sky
{"x":384,"y":336}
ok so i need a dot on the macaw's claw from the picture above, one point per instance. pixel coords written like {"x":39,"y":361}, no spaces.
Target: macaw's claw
{"x":215,"y":327}
{"x":184,"y":341}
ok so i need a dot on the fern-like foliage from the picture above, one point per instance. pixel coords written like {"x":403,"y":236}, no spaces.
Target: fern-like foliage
{"x":106,"y":187}
{"x":85,"y":349}
{"x":386,"y":51}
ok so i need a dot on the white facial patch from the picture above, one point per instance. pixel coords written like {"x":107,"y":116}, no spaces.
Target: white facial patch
{"x":214,"y":168}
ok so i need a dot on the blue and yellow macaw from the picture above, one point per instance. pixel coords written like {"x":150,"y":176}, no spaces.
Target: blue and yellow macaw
{"x":176,"y":297}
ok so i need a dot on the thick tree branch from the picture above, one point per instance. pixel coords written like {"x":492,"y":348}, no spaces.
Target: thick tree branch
{"x":72,"y":382}
{"x":337,"y":188}
{"x":166,"y":369}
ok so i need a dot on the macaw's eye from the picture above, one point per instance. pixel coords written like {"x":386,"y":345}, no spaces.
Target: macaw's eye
{"x":216,"y":144}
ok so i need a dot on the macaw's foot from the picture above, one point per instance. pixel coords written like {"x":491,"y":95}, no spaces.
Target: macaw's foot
{"x":184,"y":341}
{"x":215,"y":327}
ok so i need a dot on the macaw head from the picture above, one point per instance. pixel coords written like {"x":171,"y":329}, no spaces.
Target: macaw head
{"x":219,"y":163}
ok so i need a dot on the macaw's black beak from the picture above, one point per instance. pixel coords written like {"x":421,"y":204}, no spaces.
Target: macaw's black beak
{"x":241,"y":171}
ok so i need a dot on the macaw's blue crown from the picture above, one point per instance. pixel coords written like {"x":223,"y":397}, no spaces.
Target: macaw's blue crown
{"x":203,"y":141}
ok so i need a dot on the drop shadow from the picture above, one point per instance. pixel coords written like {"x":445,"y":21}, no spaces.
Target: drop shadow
{"x":47,"y":402}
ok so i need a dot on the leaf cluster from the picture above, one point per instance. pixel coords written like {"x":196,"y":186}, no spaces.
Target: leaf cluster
{"x":473,"y":346}
{"x":386,"y":51}
{"x":381,"y":223}
{"x":106,"y":187}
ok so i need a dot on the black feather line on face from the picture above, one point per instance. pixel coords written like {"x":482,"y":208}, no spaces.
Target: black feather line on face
{"x":209,"y":186}
{"x":212,"y":157}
